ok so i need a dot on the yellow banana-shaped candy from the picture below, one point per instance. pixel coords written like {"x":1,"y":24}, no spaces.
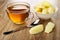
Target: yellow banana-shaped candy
{"x":49,"y":27}
{"x":36,"y":29}
{"x":51,"y":10}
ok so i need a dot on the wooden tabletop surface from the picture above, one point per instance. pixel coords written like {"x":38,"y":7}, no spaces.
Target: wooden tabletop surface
{"x":23,"y":34}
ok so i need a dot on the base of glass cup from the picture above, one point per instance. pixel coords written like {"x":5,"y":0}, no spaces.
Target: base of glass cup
{"x":20,"y":23}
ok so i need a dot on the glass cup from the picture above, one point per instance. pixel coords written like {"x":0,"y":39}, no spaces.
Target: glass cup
{"x":19,"y":13}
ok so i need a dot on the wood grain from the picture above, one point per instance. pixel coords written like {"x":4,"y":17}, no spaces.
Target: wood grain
{"x":6,"y":25}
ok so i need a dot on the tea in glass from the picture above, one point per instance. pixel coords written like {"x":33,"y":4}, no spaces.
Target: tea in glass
{"x":18,"y":12}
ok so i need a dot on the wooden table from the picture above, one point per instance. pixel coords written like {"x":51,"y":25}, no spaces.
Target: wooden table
{"x":23,"y":34}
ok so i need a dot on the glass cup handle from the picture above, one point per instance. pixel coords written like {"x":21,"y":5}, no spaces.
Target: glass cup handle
{"x":32,"y":17}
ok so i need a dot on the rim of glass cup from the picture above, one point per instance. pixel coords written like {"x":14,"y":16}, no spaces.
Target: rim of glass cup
{"x":15,"y":3}
{"x":19,"y":3}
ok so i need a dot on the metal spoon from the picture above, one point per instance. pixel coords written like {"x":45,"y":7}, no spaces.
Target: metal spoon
{"x":36,"y":22}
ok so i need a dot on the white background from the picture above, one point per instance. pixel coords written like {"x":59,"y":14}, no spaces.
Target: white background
{"x":34,"y":2}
